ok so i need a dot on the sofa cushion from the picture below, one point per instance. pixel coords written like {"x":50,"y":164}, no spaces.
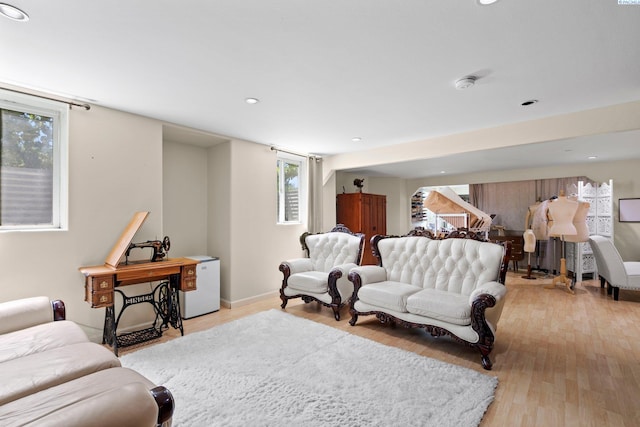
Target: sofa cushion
{"x":442,"y":305}
{"x":390,"y":295}
{"x":309,"y":281}
{"x":40,"y":338}
{"x":632,"y":269}
{"x":39,"y":371}
{"x":75,"y":402}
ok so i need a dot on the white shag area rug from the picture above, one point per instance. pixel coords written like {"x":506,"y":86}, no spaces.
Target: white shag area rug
{"x":276,"y":369}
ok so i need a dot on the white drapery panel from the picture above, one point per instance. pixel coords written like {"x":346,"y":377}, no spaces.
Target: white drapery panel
{"x":314,"y":211}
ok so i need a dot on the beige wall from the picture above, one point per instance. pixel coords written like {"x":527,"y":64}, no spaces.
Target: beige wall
{"x":219,"y":201}
{"x":115,"y":170}
{"x":219,"y":208}
{"x":185,"y":198}
{"x":258,"y":244}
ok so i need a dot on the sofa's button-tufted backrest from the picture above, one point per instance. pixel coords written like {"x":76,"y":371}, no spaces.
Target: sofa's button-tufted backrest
{"x":454,"y":265}
{"x":327,"y":250}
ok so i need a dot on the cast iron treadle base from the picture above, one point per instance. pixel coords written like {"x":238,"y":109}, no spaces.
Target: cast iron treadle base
{"x":131,"y":338}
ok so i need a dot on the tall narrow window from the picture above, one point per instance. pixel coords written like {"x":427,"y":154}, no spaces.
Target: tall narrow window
{"x":33,"y":147}
{"x":291,"y":188}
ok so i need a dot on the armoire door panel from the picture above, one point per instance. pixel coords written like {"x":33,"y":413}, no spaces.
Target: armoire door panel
{"x":363,"y":213}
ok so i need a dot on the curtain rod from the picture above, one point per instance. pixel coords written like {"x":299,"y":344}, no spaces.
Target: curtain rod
{"x":70,"y":103}
{"x":311,"y":156}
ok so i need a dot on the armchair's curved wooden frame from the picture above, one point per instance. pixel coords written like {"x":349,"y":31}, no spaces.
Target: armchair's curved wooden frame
{"x":478,"y":307}
{"x":336,"y":300}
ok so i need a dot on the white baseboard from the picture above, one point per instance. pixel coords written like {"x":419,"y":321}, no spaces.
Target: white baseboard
{"x":246,"y":301}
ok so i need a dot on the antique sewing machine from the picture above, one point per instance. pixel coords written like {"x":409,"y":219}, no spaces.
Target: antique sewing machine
{"x":104,"y":282}
{"x":159,"y":248}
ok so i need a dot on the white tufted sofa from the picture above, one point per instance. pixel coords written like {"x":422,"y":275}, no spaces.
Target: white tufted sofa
{"x":453,"y":286}
{"x":322,"y":276}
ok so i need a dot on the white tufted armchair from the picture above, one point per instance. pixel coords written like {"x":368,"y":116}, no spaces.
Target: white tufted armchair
{"x":612,"y":269}
{"x":323,"y":275}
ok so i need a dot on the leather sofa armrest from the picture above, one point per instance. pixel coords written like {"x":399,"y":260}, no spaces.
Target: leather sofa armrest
{"x":27,"y":312}
{"x":297,"y":265}
{"x":165,"y":402}
{"x":495,"y":289}
{"x":368,"y":274}
{"x":345,"y":269}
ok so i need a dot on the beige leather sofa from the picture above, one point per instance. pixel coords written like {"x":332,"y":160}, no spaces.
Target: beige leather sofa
{"x":453,"y":286}
{"x":52,"y":375}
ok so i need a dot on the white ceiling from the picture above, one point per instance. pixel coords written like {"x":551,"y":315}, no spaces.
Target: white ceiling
{"x":326,"y":71}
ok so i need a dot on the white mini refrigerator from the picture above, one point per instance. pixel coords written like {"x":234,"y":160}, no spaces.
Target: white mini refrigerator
{"x":206,"y":298}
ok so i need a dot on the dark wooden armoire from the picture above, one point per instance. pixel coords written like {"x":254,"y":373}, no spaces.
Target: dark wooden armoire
{"x":363,"y":213}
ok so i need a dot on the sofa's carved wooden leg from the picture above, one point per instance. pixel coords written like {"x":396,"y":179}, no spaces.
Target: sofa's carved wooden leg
{"x":336,"y":312}
{"x":284,"y":299}
{"x":486,"y":362}
{"x":354,"y":319}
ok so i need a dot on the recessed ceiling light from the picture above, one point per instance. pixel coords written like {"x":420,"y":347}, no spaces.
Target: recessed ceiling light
{"x":356,"y":139}
{"x":252,"y":100}
{"x":13,"y":13}
{"x":529,"y":102}
{"x":592,"y":157}
{"x":486,"y":2}
{"x":443,"y":172}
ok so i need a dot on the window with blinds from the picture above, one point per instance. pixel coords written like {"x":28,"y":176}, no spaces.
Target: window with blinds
{"x":33,"y":146}
{"x":291,"y":172}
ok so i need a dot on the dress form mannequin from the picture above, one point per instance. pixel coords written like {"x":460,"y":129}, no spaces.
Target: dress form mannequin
{"x":580,"y":223}
{"x":562,"y":210}
{"x":528,"y":221}
{"x":529,"y":246}
{"x":539,"y":220}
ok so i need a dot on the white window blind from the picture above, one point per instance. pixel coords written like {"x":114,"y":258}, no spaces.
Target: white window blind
{"x":33,"y":162}
{"x":291,"y":181}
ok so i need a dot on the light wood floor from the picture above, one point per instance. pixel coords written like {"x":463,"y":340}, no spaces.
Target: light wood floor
{"x":561,"y":359}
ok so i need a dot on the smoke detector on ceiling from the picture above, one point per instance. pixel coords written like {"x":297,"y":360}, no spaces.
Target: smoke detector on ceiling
{"x":466,"y":82}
